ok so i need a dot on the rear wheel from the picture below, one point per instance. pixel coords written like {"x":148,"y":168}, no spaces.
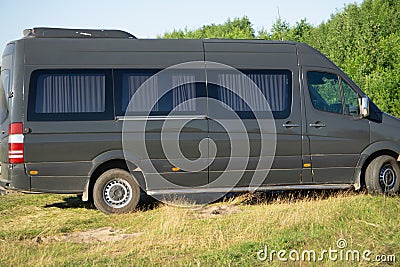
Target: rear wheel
{"x":382,"y":176}
{"x":115,"y":191}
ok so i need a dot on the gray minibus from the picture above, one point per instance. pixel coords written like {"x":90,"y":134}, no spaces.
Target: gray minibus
{"x":107,"y":116}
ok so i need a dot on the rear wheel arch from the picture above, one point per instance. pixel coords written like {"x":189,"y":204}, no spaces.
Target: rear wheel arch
{"x":115,"y":186}
{"x":107,"y":161}
{"x":103,"y":167}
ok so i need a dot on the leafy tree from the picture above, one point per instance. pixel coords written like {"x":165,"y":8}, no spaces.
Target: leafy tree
{"x":238,"y":28}
{"x":301,"y":32}
{"x":279,"y":30}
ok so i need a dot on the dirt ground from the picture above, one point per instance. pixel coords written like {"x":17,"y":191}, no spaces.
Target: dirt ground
{"x":99,"y":235}
{"x":212,"y":211}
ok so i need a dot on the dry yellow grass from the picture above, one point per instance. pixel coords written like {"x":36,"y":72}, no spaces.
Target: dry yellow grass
{"x":222,"y":234}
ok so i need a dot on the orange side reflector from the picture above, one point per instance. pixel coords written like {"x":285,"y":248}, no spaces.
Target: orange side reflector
{"x":175,"y":169}
{"x":307,"y":165}
{"x":33,"y":172}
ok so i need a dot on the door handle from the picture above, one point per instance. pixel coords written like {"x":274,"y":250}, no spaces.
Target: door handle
{"x":317,"y":125}
{"x":290,"y":125}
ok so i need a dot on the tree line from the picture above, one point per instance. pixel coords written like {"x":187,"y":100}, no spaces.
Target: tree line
{"x":363,"y":40}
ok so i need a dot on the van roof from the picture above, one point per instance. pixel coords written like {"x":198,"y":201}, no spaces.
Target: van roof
{"x":47,"y":32}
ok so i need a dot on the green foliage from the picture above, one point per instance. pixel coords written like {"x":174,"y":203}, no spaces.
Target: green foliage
{"x":238,"y":28}
{"x":363,"y":40}
{"x":301,"y":32}
{"x":279,"y":29}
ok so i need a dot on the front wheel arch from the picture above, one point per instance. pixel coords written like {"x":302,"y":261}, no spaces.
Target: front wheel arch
{"x":369,"y":159}
{"x":382,"y":174}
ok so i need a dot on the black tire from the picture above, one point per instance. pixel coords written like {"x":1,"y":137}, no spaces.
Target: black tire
{"x":115,"y":191}
{"x":80,"y":196}
{"x":382,"y":176}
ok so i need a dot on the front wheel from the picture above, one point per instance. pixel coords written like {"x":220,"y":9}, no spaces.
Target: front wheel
{"x":382,"y":176}
{"x":115,"y":191}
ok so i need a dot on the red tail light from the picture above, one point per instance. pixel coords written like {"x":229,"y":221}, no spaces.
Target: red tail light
{"x":16,"y":143}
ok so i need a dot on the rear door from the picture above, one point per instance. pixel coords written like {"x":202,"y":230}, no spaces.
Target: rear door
{"x":334,"y":126}
{"x":5,"y":91}
{"x":4,"y":112}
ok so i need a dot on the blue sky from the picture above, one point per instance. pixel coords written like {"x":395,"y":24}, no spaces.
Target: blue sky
{"x":147,"y":19}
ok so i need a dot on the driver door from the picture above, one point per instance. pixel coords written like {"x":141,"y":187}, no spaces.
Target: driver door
{"x":336,"y":130}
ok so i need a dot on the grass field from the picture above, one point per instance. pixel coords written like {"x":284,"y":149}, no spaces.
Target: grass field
{"x":59,"y":230}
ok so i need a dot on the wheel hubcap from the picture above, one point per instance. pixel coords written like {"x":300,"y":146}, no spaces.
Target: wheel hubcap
{"x":117,"y":193}
{"x":387,"y":177}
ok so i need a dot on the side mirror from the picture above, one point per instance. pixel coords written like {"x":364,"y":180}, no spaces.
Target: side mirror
{"x":365,"y":106}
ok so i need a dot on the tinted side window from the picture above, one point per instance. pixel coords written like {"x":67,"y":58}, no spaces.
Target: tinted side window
{"x":141,"y":92}
{"x":70,"y":95}
{"x":131,"y":81}
{"x":324,"y":91}
{"x":275,"y":86}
